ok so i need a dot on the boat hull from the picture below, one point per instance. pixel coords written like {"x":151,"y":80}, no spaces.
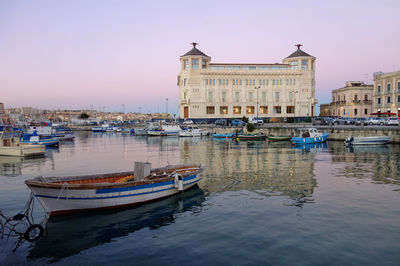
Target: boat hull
{"x":162,"y":133}
{"x":310,"y":140}
{"x":64,"y":200}
{"x":279,"y":138}
{"x":23,"y":150}
{"x":374,"y":140}
{"x":252,"y":137}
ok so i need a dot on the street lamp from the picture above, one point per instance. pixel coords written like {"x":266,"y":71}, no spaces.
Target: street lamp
{"x":166,"y":106}
{"x":256,"y":88}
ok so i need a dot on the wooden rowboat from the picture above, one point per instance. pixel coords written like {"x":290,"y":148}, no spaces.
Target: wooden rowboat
{"x":63,"y":195}
{"x":278,"y":138}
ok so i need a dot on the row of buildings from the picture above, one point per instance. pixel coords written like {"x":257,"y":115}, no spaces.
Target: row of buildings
{"x":26,"y":115}
{"x":357,"y":99}
{"x":210,"y":90}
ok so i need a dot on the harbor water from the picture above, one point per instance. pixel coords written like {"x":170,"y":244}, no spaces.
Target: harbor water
{"x":259,"y":203}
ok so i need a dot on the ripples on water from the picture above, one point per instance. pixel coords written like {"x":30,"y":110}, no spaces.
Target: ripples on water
{"x":258,"y":203}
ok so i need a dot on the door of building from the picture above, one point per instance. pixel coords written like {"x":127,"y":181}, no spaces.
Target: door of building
{"x":186,"y":112}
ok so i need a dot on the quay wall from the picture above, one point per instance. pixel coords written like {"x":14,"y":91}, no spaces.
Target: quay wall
{"x":336,"y":133}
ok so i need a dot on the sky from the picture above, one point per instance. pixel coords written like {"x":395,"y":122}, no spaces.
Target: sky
{"x":120,"y":55}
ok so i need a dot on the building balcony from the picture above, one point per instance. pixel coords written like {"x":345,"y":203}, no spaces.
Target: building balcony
{"x":367,"y":101}
{"x":184,"y":101}
{"x":356,"y":101}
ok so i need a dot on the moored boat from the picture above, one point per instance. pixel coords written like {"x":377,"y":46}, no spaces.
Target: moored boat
{"x":309,"y":135}
{"x":165,"y":130}
{"x":252,"y":137}
{"x":10,"y":145}
{"x":37,"y":140}
{"x":224,"y":136}
{"x":373,"y":140}
{"x":62,"y":195}
{"x":193,"y":131}
{"x":278,"y":138}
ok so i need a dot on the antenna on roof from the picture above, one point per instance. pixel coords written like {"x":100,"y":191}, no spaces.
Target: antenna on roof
{"x":194,"y":44}
{"x":298,"y":46}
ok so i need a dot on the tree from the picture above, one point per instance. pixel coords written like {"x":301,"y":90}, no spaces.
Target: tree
{"x":83,"y":116}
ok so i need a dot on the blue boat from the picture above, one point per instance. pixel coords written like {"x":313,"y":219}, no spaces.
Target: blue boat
{"x":36,"y":140}
{"x":224,"y":136}
{"x":309,"y":136}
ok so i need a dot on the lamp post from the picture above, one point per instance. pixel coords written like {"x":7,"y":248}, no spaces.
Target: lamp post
{"x":166,"y":107}
{"x":256,"y":88}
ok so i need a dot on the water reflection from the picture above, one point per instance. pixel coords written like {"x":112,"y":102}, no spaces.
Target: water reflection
{"x":268,"y":169}
{"x":12,"y":166}
{"x":380,"y":163}
{"x":66,"y":236}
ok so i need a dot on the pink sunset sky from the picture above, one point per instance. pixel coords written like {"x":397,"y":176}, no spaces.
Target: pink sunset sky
{"x":91,"y":54}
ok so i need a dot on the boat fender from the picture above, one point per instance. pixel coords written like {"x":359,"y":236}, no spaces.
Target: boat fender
{"x":177,"y":177}
{"x":32,"y":236}
{"x":180,"y":183}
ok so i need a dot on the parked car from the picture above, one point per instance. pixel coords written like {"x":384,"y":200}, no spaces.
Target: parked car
{"x":376,"y":121}
{"x":360,"y":121}
{"x":393,"y":121}
{"x":220,"y":122}
{"x":339,"y":121}
{"x":319,"y":121}
{"x":256,"y":121}
{"x":238,"y":122}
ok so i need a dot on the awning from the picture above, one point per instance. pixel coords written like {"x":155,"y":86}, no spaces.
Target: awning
{"x":385,"y":113}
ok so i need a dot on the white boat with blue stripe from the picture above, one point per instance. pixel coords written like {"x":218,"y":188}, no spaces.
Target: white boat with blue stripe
{"x":63,"y":195}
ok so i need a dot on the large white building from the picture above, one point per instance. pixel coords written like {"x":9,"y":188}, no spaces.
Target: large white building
{"x":387,"y":93}
{"x":234,"y":90}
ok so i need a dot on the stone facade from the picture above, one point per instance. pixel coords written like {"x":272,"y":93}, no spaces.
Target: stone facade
{"x":387,"y":92}
{"x":221,"y":90}
{"x":353,"y":100}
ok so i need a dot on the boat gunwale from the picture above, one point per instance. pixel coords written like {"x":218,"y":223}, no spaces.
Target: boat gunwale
{"x":49,"y":182}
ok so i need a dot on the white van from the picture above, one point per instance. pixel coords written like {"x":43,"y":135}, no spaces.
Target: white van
{"x":256,"y":121}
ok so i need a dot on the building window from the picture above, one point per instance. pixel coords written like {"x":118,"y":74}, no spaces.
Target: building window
{"x":210,"y":110}
{"x":280,"y":82}
{"x":388,"y":87}
{"x":227,"y":82}
{"x":223,"y":96}
{"x":356,"y":97}
{"x":184,"y":82}
{"x":223,"y":110}
{"x":365,"y":111}
{"x":254,"y":82}
{"x":344,"y":111}
{"x":233,"y":82}
{"x":237,"y":110}
{"x":206,"y":81}
{"x":264,"y":110}
{"x":290,"y":109}
{"x":388,"y":99}
{"x":237,"y":96}
{"x":266,"y":82}
{"x":379,"y":88}
{"x":213,"y":81}
{"x":210,"y":96}
{"x":240,"y":82}
{"x":203,"y":64}
{"x":186,"y":63}
{"x":250,"y":110}
{"x":398,"y":99}
{"x":287,"y":82}
{"x":195,"y":63}
{"x":277,"y":109}
{"x":398,"y":86}
{"x":264,"y":96}
{"x":294,"y":82}
{"x":304,"y":64}
{"x":379,"y":101}
{"x":366,"y":97}
{"x":273,"y":82}
{"x":277,"y":96}
{"x":250,"y":95}
{"x":355,"y":111}
{"x":294,"y":65}
{"x":290,"y":96}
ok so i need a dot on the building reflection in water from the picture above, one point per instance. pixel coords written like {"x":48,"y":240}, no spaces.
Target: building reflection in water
{"x":69,"y":235}
{"x":268,"y":169}
{"x":12,"y":166}
{"x":379,"y":162}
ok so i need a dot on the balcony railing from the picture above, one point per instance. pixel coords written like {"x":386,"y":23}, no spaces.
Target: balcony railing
{"x":367,"y":101}
{"x":184,"y":101}
{"x":356,"y":101}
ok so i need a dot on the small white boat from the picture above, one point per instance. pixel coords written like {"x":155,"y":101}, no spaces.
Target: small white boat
{"x":309,"y":136}
{"x":62,"y":195}
{"x":193,"y":131}
{"x":10,"y":145}
{"x":373,"y":140}
{"x":165,"y":130}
